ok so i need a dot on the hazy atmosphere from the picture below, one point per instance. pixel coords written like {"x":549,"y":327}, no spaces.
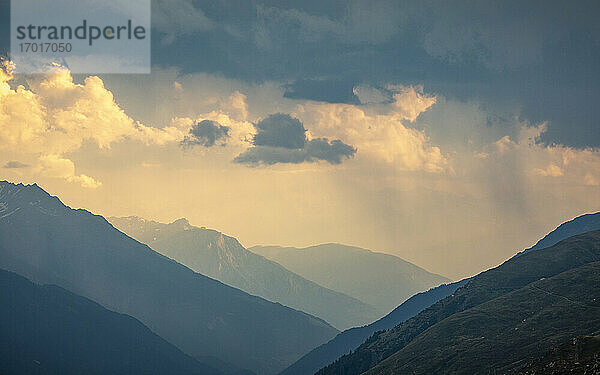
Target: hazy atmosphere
{"x":320,"y":187}
{"x":449,"y":153}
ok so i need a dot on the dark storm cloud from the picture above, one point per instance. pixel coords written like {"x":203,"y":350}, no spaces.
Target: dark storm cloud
{"x":540,"y":57}
{"x":331,"y":151}
{"x":331,"y":91}
{"x":537,"y":56}
{"x":281,"y":138}
{"x":271,"y":155}
{"x":15,"y":165}
{"x":280,"y":130}
{"x":206,"y":133}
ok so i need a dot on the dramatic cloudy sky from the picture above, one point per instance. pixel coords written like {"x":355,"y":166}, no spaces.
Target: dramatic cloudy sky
{"x":449,"y":133}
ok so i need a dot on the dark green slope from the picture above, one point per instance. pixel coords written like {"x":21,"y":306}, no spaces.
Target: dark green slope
{"x":577,"y":356}
{"x":49,"y":243}
{"x":48,"y":330}
{"x":511,"y":275}
{"x":501,"y":335}
{"x":350,"y":339}
{"x":581,"y":224}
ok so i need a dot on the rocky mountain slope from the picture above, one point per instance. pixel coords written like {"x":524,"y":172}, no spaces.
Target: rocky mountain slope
{"x":221,"y":257}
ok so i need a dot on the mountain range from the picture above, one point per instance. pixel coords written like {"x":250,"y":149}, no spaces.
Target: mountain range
{"x":118,"y":306}
{"x":357,"y":272}
{"x":50,"y":243}
{"x":350,"y":339}
{"x":223,"y":258}
{"x":498,"y":321}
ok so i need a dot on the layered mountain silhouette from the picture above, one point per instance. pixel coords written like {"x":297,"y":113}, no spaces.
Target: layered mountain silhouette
{"x":350,"y":339}
{"x":45,"y":329}
{"x":356,"y":272}
{"x":502,"y":334}
{"x":49,"y":243}
{"x":500,"y":320}
{"x":223,"y":258}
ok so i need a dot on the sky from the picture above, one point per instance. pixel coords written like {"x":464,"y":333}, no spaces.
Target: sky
{"x":449,"y":133}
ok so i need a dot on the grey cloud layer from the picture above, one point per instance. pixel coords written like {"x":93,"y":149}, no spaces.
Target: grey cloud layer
{"x":206,"y":133}
{"x":281,"y":138}
{"x":538,"y":56}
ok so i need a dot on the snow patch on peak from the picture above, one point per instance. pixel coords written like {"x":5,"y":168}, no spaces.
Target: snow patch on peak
{"x":14,"y":197}
{"x":221,"y":242}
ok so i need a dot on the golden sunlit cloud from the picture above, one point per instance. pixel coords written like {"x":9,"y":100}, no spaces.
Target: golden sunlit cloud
{"x":380,"y":133}
{"x":55,"y":116}
{"x":556,"y":161}
{"x":550,"y":171}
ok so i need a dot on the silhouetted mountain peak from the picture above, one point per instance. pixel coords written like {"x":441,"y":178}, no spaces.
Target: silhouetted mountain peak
{"x":227,"y":250}
{"x":15,"y":197}
{"x":21,"y":192}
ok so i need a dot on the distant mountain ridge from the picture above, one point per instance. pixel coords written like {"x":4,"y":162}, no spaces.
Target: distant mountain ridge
{"x":47,"y":242}
{"x":351,"y":338}
{"x":221,"y":257}
{"x":580,"y":224}
{"x":357,"y":272}
{"x":391,"y":351}
{"x":45,"y":329}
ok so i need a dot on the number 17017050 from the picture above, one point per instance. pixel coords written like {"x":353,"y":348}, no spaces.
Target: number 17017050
{"x":45,"y":47}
